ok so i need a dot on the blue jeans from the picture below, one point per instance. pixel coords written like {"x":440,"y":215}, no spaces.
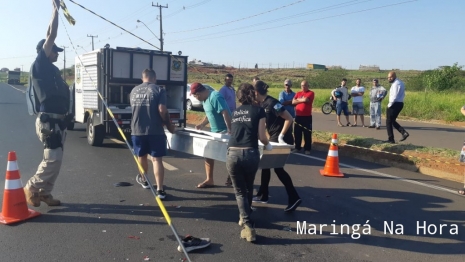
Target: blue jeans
{"x":342,"y":107}
{"x":242,"y":165}
{"x":375,"y":114}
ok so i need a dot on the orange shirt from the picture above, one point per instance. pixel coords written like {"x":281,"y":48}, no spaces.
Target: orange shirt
{"x":304,"y":109}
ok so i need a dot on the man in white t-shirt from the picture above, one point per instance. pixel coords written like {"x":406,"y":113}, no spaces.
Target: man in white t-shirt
{"x":357,"y":93}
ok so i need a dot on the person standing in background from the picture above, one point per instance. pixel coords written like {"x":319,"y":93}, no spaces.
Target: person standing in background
{"x":303,"y":102}
{"x":377,"y":95}
{"x":357,"y":93}
{"x":286,"y":96}
{"x":228,"y":92}
{"x":396,"y":103}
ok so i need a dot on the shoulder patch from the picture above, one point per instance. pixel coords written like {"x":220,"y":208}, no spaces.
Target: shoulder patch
{"x":278,"y":106}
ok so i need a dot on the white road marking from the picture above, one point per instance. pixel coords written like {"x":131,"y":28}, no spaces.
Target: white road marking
{"x":387,"y":175}
{"x":117,"y":141}
{"x":166,"y":165}
{"x":24,"y":92}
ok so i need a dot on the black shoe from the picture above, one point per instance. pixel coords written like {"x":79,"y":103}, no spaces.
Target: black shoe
{"x":293,"y":206}
{"x":404,"y":136}
{"x":389,"y":141}
{"x":161,"y":194}
{"x":192,"y":243}
{"x":260,"y":199}
{"x":371,"y":126}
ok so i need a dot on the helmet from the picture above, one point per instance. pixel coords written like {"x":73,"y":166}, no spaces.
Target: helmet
{"x":338,"y":94}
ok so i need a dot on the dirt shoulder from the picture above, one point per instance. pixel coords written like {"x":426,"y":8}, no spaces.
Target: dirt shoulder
{"x":441,"y":163}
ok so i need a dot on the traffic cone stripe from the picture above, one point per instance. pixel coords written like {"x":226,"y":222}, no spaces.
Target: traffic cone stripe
{"x":14,"y":207}
{"x":332,"y":161}
{"x":13,"y":184}
{"x":12,"y":166}
{"x":333,"y":153}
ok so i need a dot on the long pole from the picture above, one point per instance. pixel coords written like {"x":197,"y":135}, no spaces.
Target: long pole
{"x":96,"y":36}
{"x":161,"y":24}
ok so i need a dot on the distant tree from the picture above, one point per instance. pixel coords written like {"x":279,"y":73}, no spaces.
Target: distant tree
{"x":444,"y":78}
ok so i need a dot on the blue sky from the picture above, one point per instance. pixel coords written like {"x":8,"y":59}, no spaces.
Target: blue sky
{"x":420,"y":35}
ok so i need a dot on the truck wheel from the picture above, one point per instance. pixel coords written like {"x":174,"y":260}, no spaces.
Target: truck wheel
{"x":95,"y":134}
{"x":326,"y":108}
{"x":189,"y":105}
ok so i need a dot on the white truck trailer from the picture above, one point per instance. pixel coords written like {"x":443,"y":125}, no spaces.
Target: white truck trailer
{"x":114,"y":72}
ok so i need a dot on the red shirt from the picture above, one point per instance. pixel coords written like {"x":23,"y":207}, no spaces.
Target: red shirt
{"x":304,"y":109}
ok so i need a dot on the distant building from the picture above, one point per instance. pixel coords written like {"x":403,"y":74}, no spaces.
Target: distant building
{"x":316,"y":67}
{"x":369,"y":68}
{"x":17,"y":69}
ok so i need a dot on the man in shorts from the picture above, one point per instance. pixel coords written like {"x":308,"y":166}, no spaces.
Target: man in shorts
{"x":218,"y":115}
{"x":357,"y":93}
{"x":341,"y":102}
{"x":149,"y":114}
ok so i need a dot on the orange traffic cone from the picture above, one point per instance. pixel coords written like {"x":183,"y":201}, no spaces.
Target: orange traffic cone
{"x":332,"y":161}
{"x":14,"y":201}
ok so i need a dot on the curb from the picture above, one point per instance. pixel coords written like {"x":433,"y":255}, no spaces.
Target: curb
{"x":397,"y":161}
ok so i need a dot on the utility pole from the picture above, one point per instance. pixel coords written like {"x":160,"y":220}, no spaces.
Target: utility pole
{"x":161,"y":24}
{"x":96,"y":36}
{"x":64,"y":62}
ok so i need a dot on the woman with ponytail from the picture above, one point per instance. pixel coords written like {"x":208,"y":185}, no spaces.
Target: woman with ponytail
{"x":278,"y":123}
{"x":243,"y":156}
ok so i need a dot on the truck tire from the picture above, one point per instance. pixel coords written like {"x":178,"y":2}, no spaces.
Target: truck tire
{"x":95,"y":134}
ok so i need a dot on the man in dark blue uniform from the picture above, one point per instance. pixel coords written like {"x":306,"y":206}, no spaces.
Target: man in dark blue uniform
{"x":53,"y":95}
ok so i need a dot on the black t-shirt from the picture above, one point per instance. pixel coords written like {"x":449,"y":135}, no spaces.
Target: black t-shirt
{"x":52,"y":91}
{"x":275,"y":123}
{"x":244,"y":126}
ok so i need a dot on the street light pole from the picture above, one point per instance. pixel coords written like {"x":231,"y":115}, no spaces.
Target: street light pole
{"x":161,"y":41}
{"x":161,"y":24}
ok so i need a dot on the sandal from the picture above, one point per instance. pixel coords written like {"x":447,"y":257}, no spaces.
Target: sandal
{"x":203,"y":185}
{"x":461,"y":192}
{"x":349,"y":124}
{"x":340,"y":125}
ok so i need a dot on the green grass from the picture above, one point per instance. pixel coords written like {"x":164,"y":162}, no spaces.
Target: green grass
{"x":375,"y":144}
{"x":418,"y":105}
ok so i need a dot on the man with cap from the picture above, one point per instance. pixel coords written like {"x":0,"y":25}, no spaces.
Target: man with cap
{"x":54,"y":97}
{"x":218,"y":115}
{"x":377,"y":94}
{"x":286,"y":96}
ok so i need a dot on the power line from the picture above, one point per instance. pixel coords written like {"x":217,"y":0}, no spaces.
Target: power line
{"x":312,"y":20}
{"x":96,"y":36}
{"x":319,"y":10}
{"x":187,"y":7}
{"x":241,"y":19}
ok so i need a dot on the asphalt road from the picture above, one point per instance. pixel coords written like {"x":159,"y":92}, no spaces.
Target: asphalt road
{"x":101,"y":222}
{"x":421,"y":133}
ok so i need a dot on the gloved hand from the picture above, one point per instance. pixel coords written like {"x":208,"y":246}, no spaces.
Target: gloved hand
{"x":269,"y":147}
{"x":281,"y":139}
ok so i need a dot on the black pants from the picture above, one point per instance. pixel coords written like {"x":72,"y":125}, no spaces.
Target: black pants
{"x":306,"y":122}
{"x":391,"y":116}
{"x":242,"y":165}
{"x":284,"y":178}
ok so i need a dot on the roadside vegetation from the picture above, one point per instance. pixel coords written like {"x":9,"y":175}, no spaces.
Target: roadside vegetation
{"x":431,"y":95}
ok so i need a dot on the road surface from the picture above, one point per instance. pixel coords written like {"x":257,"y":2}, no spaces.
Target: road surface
{"x":101,"y":222}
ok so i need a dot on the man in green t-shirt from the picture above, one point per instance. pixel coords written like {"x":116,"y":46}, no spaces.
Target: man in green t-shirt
{"x":218,"y":115}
